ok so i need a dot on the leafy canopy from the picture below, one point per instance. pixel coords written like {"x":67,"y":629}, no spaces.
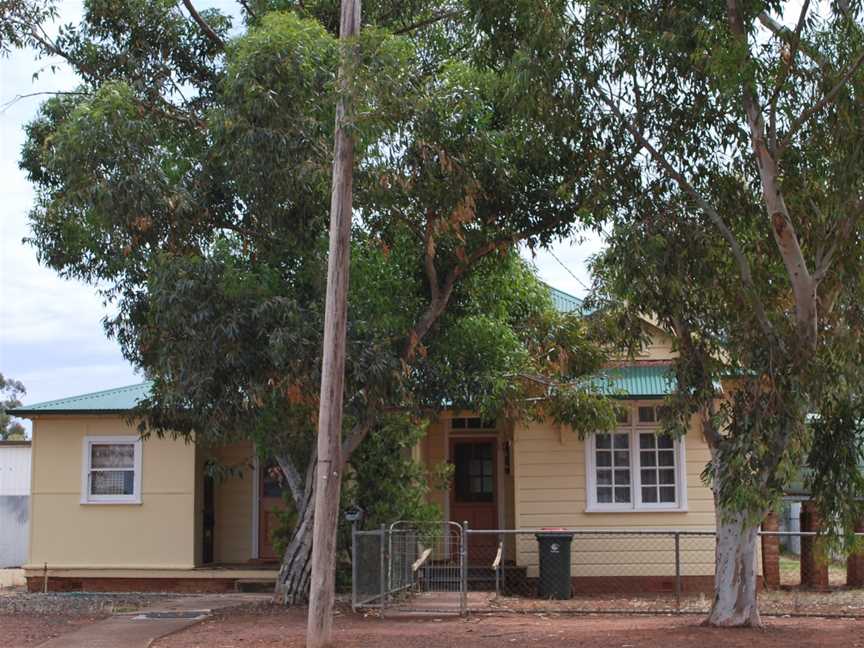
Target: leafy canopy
{"x":190,"y":180}
{"x":11,"y":392}
{"x":743,"y":230}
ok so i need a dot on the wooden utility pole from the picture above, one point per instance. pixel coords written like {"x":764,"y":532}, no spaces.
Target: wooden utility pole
{"x":328,"y":473}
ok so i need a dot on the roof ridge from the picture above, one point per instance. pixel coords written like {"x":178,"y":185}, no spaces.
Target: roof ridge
{"x":564,"y":293}
{"x":83,"y":397}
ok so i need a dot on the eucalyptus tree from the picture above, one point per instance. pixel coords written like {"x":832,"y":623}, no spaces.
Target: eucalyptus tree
{"x":11,"y":392}
{"x":744,"y":235}
{"x":189,"y":176}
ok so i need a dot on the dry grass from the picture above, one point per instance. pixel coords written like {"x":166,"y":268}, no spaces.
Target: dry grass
{"x":790,"y":571}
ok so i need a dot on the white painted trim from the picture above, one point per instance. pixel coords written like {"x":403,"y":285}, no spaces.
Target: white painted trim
{"x":256,"y":502}
{"x":450,"y":433}
{"x":86,"y":497}
{"x":633,"y":429}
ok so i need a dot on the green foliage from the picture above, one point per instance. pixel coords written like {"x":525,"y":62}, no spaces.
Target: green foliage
{"x":385,"y":480}
{"x":682,"y":76}
{"x":16,"y":19}
{"x":835,"y":466}
{"x":202,"y":212}
{"x":190,"y":182}
{"x":285,"y":526}
{"x":11,"y":392}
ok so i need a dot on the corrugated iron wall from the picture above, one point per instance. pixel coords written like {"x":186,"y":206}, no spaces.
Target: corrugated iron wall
{"x":14,"y":504}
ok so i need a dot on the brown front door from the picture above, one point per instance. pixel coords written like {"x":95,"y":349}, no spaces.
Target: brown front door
{"x":270,"y":502}
{"x":474,"y":496}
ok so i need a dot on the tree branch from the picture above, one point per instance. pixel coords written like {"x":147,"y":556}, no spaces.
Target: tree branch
{"x":785,"y":71}
{"x":356,"y":436}
{"x":828,"y":98}
{"x":707,"y":208}
{"x":170,"y":111}
{"x":842,"y":234}
{"x":786,"y":34}
{"x":431,"y":20}
{"x":782,"y":228}
{"x":292,"y":476}
{"x":248,"y":9}
{"x":53,"y":93}
{"x":207,"y":29}
{"x":429,"y":257}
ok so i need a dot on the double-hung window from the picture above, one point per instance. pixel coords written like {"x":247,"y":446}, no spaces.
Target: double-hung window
{"x":111,"y":470}
{"x":635,"y":468}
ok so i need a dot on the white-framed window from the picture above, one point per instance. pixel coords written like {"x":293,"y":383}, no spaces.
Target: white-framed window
{"x":634,"y":468}
{"x":111,"y":470}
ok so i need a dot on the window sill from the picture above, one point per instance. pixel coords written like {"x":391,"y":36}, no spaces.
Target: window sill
{"x":604,"y":509}
{"x":135,"y":502}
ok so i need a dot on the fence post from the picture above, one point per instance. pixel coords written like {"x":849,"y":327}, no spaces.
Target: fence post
{"x":500,"y":559}
{"x":771,"y":552}
{"x":383,"y":570}
{"x":855,"y":562}
{"x":354,"y":567}
{"x":463,"y":596}
{"x":678,"y":572}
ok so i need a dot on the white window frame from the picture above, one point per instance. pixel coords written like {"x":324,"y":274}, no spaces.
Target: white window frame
{"x":633,"y":428}
{"x":86,"y":496}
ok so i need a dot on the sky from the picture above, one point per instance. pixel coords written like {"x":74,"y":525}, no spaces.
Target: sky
{"x":51,"y":335}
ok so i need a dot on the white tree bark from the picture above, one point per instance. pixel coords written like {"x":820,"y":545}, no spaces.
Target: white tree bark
{"x":735,"y":577}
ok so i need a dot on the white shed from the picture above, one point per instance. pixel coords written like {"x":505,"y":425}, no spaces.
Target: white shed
{"x":14,"y":502}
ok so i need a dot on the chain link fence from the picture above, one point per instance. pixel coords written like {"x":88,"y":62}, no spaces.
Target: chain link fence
{"x":587,"y":570}
{"x":447,"y":568}
{"x":417,"y":567}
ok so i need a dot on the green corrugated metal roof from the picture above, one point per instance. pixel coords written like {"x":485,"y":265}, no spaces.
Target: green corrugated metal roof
{"x":636,"y":381}
{"x":120,"y":399}
{"x":565,"y":302}
{"x":647,"y":381}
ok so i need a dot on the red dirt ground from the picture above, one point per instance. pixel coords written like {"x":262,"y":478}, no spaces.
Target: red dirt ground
{"x":23,"y":630}
{"x":266,"y":629}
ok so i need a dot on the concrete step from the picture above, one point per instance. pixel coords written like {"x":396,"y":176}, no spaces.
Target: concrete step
{"x":248,"y":585}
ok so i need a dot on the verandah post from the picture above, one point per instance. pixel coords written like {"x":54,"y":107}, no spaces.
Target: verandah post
{"x":677,"y":571}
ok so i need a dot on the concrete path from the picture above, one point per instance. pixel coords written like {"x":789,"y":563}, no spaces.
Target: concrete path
{"x":140,"y":629}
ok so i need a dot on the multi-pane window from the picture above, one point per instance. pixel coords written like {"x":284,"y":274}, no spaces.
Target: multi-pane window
{"x":657,"y":468}
{"x":613,"y":468}
{"x":474,"y":471}
{"x":112,"y":470}
{"x":635,"y":467}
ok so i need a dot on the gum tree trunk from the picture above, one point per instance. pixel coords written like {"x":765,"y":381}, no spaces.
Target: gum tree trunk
{"x":292,"y":583}
{"x":735,"y":580}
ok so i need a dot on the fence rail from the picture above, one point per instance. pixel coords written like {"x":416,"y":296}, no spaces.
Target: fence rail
{"x":446,"y":567}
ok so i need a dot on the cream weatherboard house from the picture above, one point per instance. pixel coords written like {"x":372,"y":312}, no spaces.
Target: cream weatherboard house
{"x":109,"y":511}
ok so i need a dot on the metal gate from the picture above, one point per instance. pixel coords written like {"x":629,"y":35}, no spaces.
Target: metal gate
{"x":410,"y":567}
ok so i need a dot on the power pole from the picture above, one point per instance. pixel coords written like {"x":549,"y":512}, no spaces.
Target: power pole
{"x":328,"y":473}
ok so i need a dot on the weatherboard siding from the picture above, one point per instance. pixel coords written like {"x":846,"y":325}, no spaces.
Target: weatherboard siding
{"x":551,"y":491}
{"x":233,"y":506}
{"x":157,"y":533}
